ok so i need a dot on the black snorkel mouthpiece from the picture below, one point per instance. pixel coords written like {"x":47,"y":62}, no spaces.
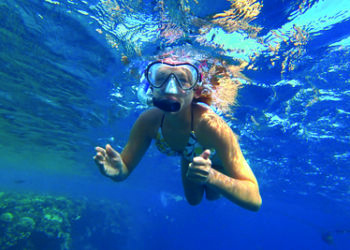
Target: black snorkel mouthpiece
{"x":167,"y":105}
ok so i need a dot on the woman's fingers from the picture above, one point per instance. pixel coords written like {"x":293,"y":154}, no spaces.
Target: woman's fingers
{"x":206,"y":154}
{"x":200,"y":163}
{"x":101,"y":163}
{"x":99,"y":160}
{"x":199,"y":169}
{"x":195,"y":174}
{"x":99,"y":157}
{"x":199,"y":160}
{"x":100,"y":150}
{"x":106,"y":160}
{"x":111,"y":152}
{"x":198,"y":172}
{"x":196,"y":177}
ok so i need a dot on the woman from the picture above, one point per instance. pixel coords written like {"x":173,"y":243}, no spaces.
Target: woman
{"x":211,"y":159}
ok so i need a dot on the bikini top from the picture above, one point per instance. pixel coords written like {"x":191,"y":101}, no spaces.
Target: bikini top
{"x":191,"y":150}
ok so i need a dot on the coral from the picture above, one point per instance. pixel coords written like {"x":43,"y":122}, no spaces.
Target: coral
{"x":29,"y":221}
{"x":26,"y":223}
{"x":6,"y":217}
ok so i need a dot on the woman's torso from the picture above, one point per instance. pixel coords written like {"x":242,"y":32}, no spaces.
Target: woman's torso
{"x":182,"y":141}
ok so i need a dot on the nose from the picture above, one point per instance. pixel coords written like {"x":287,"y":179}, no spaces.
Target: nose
{"x":171,"y":86}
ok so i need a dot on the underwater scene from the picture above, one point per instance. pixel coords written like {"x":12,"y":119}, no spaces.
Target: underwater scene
{"x":70,"y":78}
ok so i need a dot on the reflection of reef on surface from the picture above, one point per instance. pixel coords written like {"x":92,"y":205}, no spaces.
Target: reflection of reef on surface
{"x":242,"y":12}
{"x":29,"y":221}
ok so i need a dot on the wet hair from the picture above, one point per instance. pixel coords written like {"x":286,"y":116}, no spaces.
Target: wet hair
{"x":219,"y":86}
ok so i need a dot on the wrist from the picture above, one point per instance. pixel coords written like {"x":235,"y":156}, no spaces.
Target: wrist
{"x":212,"y":177}
{"x":123,"y":173}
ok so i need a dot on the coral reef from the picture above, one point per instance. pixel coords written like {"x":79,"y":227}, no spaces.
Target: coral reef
{"x":29,"y":221}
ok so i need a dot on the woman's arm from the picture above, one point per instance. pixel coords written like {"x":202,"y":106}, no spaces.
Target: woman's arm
{"x":238,"y":182}
{"x":239,"y":185}
{"x":119,"y":166}
{"x":139,"y":140}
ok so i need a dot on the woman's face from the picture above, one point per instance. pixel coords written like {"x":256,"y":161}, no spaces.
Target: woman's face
{"x":172,"y":90}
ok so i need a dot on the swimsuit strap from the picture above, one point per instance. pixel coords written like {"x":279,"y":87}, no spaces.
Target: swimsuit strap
{"x":161,"y":123}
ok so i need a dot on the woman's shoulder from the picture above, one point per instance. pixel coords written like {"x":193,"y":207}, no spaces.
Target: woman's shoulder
{"x":208,"y":124}
{"x":153,"y":113}
{"x":150,"y":120}
{"x":204,"y":116}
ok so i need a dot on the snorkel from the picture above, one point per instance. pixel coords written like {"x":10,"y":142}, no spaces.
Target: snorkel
{"x":144,"y":92}
{"x":167,"y":105}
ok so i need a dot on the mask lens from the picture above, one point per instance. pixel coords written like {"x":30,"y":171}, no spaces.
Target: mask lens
{"x":156,"y":75}
{"x":185,"y":74}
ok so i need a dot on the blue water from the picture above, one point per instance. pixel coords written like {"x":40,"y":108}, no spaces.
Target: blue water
{"x":68,"y":78}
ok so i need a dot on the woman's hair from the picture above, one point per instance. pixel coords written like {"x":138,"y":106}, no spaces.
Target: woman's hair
{"x":220,"y":80}
{"x":219,"y":86}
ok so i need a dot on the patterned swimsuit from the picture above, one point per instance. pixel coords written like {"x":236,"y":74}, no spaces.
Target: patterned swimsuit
{"x":192,"y":149}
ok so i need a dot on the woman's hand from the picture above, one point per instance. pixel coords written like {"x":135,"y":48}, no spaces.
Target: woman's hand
{"x":199,"y":170}
{"x":110,"y":163}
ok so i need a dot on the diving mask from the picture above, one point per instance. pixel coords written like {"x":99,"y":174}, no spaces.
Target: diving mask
{"x":186,"y":75}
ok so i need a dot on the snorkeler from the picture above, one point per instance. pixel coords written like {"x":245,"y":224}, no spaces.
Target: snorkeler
{"x":211,"y":158}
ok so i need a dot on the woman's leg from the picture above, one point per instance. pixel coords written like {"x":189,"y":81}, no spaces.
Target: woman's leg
{"x":211,"y":194}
